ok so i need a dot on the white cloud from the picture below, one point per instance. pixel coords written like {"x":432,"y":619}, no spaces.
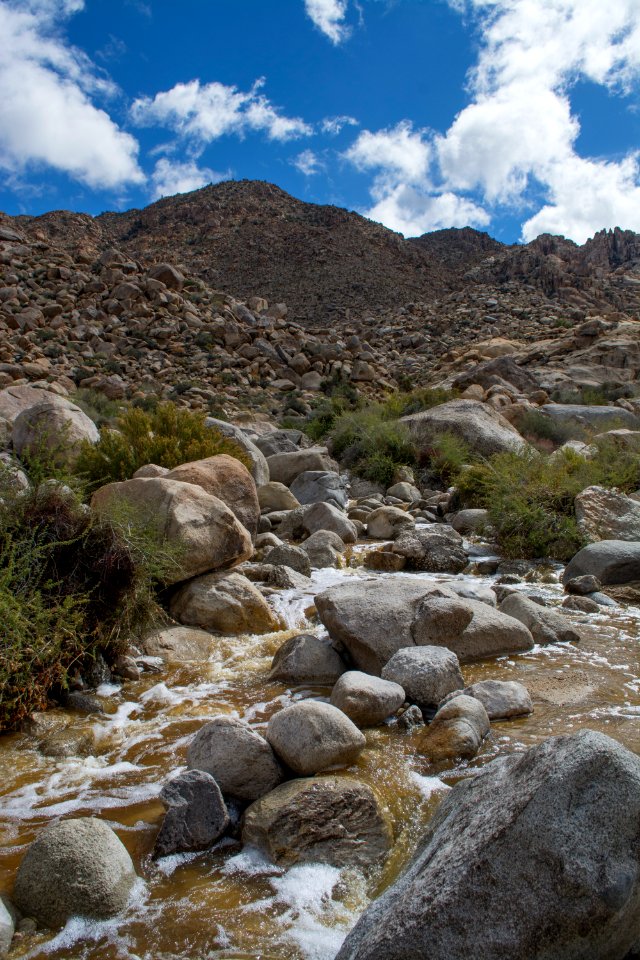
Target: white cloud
{"x":398,"y":152}
{"x":329,"y":17}
{"x":170,"y":177}
{"x":308,"y":163}
{"x":208,"y":111}
{"x":47,"y":117}
{"x":519,"y":129}
{"x":412,"y":212}
{"x":334,"y":125}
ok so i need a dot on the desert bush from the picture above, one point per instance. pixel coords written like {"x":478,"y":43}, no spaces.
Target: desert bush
{"x":446,"y":456}
{"x":167,"y":436}
{"x":96,"y":406}
{"x":71,"y":585}
{"x":534,"y":426}
{"x":372,"y":444}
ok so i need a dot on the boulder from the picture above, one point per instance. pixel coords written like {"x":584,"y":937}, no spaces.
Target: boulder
{"x":427,"y":674}
{"x":471,"y":521}
{"x":326,"y":516}
{"x":433,"y":549}
{"x":151,"y":470}
{"x":259,"y":468}
{"x":387,"y":523}
{"x":611,"y":561}
{"x":75,"y":867}
{"x":290,"y":556}
{"x":456,"y":731}
{"x":275,"y":496}
{"x":278,"y":441}
{"x":311,"y":736}
{"x":373,"y":623}
{"x":320,"y":486}
{"x":581,"y":586}
{"x":168,"y":274}
{"x":307,"y":659}
{"x":535,"y":857}
{"x":285,"y":467}
{"x":241,"y":761}
{"x":179,"y":644}
{"x":206,"y":533}
{"x":227,"y":479}
{"x":498,"y":371}
{"x":366,"y":700}
{"x":546,"y":626}
{"x":404,"y":491}
{"x":502,"y":699}
{"x":54,"y":426}
{"x":324,"y":549}
{"x":14,"y":400}
{"x":224,"y":602}
{"x":604,"y":514}
{"x":196,"y":814}
{"x":7,"y":926}
{"x":320,"y":820}
{"x":484,"y":429}
{"x":591,"y":416}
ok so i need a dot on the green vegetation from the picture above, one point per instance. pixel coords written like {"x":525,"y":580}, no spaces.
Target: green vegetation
{"x":530,"y":496}
{"x":167,"y":436}
{"x":71,"y":584}
{"x":96,"y":406}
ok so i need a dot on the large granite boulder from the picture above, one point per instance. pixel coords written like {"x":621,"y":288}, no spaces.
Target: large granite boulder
{"x":179,"y":644}
{"x":74,"y":867}
{"x":285,"y":467}
{"x":275,"y":496}
{"x":536,"y":857}
{"x":320,"y":820}
{"x":311,"y":736}
{"x":227,"y":479}
{"x":592,"y":416}
{"x":611,"y":561}
{"x":241,"y":761}
{"x":320,"y":486}
{"x":434,"y":549}
{"x":203,"y":529}
{"x":373,"y":623}
{"x":604,"y":514}
{"x":546,"y":626}
{"x":484,"y":429}
{"x":326,"y":516}
{"x":259,"y":468}
{"x":55,"y":427}
{"x":225,"y":602}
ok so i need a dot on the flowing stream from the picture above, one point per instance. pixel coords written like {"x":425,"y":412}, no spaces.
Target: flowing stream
{"x":231,"y":902}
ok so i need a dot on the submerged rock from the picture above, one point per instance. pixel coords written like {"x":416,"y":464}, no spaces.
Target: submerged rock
{"x":320,"y":820}
{"x":536,"y":857}
{"x":74,"y":868}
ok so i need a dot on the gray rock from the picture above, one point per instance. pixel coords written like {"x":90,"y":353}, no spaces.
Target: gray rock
{"x":366,"y":700}
{"x":546,"y":626}
{"x":275,"y":496}
{"x":311,"y":736}
{"x":320,"y":820}
{"x":55,"y":426}
{"x":471,"y":521}
{"x":404,"y":491}
{"x":592,"y":416}
{"x":583,"y":585}
{"x":285,"y":467}
{"x":483,"y":428}
{"x":434,"y":549}
{"x":502,"y":699}
{"x":411,"y":719}
{"x":320,"y":486}
{"x":196,"y":814}
{"x":604,"y":514}
{"x":74,"y":867}
{"x":456,"y":731}
{"x":225,"y":602}
{"x":373,"y":623}
{"x":179,"y":644}
{"x":324,"y":549}
{"x":277,"y":442}
{"x":536,"y":857}
{"x":239,"y":759}
{"x":387,"y":523}
{"x":580,"y":603}
{"x":290,"y":556}
{"x":7,"y":928}
{"x":259,"y":468}
{"x":326,"y":516}
{"x":307,"y":659}
{"x":427,"y":674}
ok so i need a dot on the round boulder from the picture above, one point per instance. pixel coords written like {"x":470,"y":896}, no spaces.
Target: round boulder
{"x":239,"y":759}
{"x":54,"y":426}
{"x":427,"y":674}
{"x":307,"y":659}
{"x":225,"y":602}
{"x":227,"y":479}
{"x":311,"y":736}
{"x":366,"y":700}
{"x":74,"y":868}
{"x":196,"y":814}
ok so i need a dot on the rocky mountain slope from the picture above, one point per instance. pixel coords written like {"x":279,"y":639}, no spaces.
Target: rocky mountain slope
{"x":311,"y":294}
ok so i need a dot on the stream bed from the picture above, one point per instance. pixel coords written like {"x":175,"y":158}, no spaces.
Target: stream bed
{"x":231,"y":902}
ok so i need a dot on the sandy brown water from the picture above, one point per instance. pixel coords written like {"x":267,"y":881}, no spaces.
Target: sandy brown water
{"x":229,"y":902}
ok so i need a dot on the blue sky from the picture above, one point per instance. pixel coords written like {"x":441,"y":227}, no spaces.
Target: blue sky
{"x":515,"y":116}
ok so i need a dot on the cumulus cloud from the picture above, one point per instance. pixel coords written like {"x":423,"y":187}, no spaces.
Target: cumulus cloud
{"x":400,"y":152}
{"x":519,"y":129}
{"x":170,"y":177}
{"x":47,"y":115}
{"x":329,"y":17}
{"x":334,"y":125}
{"x":412,"y":212}
{"x":308,"y":163}
{"x":205,"y":112}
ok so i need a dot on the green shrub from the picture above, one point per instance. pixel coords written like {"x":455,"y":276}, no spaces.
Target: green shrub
{"x":167,"y":436}
{"x":71,"y":585}
{"x":446,"y":456}
{"x":372,"y":445}
{"x":96,"y":406}
{"x":535,"y":425}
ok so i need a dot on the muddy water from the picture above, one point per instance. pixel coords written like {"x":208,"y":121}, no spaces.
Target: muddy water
{"x":229,"y":902}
